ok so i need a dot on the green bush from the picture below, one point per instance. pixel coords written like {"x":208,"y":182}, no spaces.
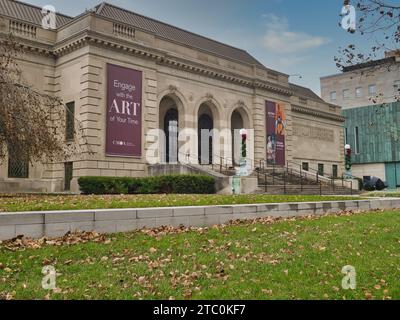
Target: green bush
{"x":176,"y":184}
{"x":104,"y":185}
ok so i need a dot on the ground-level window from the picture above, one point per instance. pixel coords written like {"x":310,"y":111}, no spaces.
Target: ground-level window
{"x":321,"y":169}
{"x":68,"y":175}
{"x":334,"y":171}
{"x":305,"y":166}
{"x":18,"y":165}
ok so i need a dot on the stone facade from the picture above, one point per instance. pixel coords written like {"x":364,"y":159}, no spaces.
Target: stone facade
{"x":371,"y":127}
{"x":352,"y":87}
{"x":70,"y":62}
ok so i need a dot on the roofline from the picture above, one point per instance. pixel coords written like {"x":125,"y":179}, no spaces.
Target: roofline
{"x":76,"y":18}
{"x":331,"y":76}
{"x":259,"y":65}
{"x":40,"y":8}
{"x":319,"y":99}
{"x":101,"y":5}
{"x":362,"y":66}
{"x":369,"y":64}
{"x":172,"y":26}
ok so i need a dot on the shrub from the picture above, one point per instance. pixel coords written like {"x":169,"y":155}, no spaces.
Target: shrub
{"x":104,"y":185}
{"x":177,"y":184}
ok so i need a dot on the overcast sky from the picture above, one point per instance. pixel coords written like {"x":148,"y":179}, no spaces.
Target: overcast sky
{"x":292,"y":36}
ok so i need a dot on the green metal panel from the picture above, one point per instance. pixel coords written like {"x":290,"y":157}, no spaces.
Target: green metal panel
{"x":397,"y":174}
{"x":391,"y":176}
{"x":379,"y":133}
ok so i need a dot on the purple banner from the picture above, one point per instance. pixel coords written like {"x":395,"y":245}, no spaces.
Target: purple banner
{"x":124,"y":112}
{"x":276,"y":125}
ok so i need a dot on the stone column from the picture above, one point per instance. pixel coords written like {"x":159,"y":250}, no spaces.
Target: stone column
{"x":150,"y":112}
{"x":259,"y":123}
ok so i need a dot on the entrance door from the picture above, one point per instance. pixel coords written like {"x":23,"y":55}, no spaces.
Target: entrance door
{"x":171,"y":134}
{"x":206,"y":125}
{"x":237,"y":124}
{"x":392,"y":175}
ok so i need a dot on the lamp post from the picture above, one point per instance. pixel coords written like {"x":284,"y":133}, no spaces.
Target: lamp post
{"x":243,"y":155}
{"x":348,"y":163}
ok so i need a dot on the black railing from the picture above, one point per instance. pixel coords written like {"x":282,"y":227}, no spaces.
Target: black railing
{"x":223,"y":165}
{"x":272,"y":175}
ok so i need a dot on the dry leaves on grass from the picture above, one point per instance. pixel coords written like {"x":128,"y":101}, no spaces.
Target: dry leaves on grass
{"x":167,"y":230}
{"x":21,"y":242}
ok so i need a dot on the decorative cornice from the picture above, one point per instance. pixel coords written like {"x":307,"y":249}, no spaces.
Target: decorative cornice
{"x":87,"y":37}
{"x":317,"y":113}
{"x":30,"y":46}
{"x":163,"y":58}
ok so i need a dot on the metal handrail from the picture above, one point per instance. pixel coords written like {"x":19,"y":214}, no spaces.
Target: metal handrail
{"x":225,"y":164}
{"x":303,"y":174}
{"x":318,"y":176}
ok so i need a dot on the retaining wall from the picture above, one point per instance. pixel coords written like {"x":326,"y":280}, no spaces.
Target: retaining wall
{"x":58,"y":223}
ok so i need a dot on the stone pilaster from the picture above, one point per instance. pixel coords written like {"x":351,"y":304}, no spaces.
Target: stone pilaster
{"x":259,"y":122}
{"x":289,"y":133}
{"x":150,"y":113}
{"x":90,"y":109}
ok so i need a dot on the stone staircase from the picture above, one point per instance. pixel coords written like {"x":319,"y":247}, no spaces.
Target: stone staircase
{"x":284,"y":180}
{"x":281,"y":180}
{"x":277,"y":180}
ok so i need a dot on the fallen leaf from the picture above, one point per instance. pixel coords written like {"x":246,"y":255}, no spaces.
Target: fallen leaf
{"x":153,"y":250}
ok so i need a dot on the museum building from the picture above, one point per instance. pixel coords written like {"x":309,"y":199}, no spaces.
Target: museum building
{"x":144,"y":92}
{"x":369,"y":95}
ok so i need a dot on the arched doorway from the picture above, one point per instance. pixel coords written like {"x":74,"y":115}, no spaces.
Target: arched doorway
{"x":240,"y":119}
{"x":171,"y":129}
{"x":205,"y":135}
{"x":237,"y":124}
{"x":169,"y":124}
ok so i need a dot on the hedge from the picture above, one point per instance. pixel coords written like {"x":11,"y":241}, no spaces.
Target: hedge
{"x":168,"y":184}
{"x":104,"y":185}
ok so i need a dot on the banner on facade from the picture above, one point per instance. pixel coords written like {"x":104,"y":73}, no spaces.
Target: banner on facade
{"x":276,"y":126}
{"x":124,"y":112}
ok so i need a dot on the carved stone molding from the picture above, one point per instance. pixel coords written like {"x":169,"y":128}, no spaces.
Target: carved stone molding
{"x":93,"y":38}
{"x":241,"y":103}
{"x":172,"y":89}
{"x":317,"y":113}
{"x":209,"y":97}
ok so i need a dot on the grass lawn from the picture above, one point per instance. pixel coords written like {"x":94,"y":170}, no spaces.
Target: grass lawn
{"x":293,"y":259}
{"x":383,"y":194}
{"x":15,"y":203}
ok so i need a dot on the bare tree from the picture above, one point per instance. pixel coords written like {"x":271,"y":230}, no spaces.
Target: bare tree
{"x":379,"y":20}
{"x":32,"y":124}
